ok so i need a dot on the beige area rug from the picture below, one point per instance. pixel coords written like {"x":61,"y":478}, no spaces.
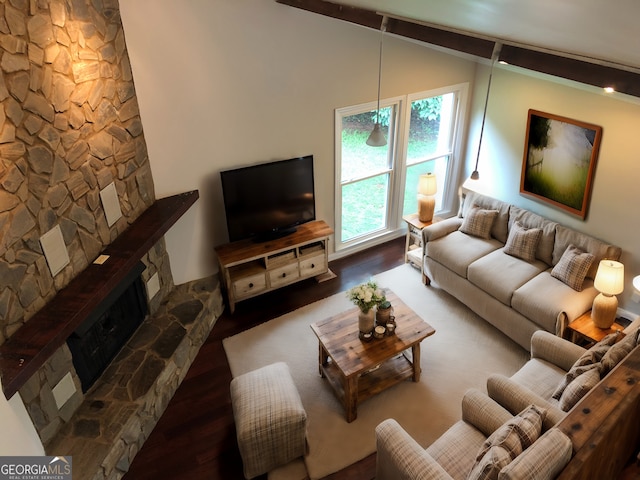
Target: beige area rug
{"x":464,"y":351}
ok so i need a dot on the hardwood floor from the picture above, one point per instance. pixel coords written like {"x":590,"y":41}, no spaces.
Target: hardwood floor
{"x":195,"y":438}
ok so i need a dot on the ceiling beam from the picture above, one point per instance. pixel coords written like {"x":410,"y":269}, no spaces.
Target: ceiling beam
{"x":398,"y":26}
{"x":596,"y":74}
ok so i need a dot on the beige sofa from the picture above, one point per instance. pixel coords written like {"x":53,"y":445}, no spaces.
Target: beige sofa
{"x":516,"y":292}
{"x":454,"y":454}
{"x":556,"y":365}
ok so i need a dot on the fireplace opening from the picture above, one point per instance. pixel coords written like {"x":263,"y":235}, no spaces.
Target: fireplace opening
{"x":99,"y":339}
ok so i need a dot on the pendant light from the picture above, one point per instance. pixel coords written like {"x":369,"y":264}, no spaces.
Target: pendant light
{"x":475,"y":175}
{"x":376,"y":138}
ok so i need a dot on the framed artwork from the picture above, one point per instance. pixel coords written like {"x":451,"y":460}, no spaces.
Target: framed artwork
{"x":559,"y":161}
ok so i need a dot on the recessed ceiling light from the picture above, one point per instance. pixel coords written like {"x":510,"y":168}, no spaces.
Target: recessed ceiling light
{"x":609,"y":89}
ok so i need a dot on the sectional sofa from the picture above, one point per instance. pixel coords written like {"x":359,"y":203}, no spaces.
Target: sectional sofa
{"x":530,"y":426}
{"x":519,"y":271}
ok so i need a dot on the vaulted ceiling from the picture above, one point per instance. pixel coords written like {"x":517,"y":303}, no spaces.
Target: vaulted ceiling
{"x":590,"y":41}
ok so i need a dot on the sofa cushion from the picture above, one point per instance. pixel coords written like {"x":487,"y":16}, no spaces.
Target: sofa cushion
{"x":522,"y":242}
{"x":507,"y":442}
{"x":573,"y":266}
{"x":579,"y":387}
{"x":500,"y":227}
{"x":478,"y":222}
{"x":456,"y":448}
{"x":457,"y":250}
{"x":499,"y":274}
{"x":544,"y":250}
{"x":558,"y":298}
{"x":541,"y":377}
{"x":599,"y":249}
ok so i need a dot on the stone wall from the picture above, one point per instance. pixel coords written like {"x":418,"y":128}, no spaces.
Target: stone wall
{"x":69,"y":126}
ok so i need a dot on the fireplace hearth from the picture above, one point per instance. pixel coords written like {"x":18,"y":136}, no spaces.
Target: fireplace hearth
{"x":101,"y":336}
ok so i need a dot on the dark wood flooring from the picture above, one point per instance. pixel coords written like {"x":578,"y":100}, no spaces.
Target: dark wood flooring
{"x":195,"y":438}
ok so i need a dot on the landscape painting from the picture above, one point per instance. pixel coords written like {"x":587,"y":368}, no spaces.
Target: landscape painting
{"x":559,"y":161}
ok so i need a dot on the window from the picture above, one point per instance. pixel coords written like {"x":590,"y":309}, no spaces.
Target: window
{"x":376,"y":186}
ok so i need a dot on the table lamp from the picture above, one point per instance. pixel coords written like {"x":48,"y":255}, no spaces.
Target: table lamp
{"x":427,"y":188}
{"x":609,"y":282}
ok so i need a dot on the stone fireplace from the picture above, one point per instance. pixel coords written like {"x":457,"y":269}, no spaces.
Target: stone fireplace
{"x":104,"y":427}
{"x":69,"y":128}
{"x":101,"y":336}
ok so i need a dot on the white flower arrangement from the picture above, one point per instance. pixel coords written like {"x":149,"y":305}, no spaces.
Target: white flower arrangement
{"x":366,"y":296}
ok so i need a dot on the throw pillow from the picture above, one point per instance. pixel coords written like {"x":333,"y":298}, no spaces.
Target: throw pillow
{"x":578,"y":388}
{"x":573,"y":266}
{"x":522,"y":242}
{"x":488,"y":468}
{"x":478,"y":222}
{"x":588,"y":360}
{"x":617,"y":352}
{"x":507,"y":442}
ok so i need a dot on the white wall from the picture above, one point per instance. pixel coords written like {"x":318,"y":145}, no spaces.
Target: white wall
{"x":19,"y":436}
{"x":227,"y":83}
{"x":613,"y":214}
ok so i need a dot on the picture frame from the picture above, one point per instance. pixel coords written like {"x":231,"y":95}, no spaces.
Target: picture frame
{"x":559,"y":161}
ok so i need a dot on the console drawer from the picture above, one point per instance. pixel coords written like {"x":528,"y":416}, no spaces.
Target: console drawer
{"x":313,"y":266}
{"x":284,"y":275}
{"x":248,"y":286}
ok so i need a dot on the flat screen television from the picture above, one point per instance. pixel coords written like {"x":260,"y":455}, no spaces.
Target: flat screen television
{"x":268,"y":200}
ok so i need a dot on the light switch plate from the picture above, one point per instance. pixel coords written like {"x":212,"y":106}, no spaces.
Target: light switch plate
{"x":64,"y":390}
{"x":153,"y":286}
{"x":110,"y":203}
{"x":55,"y":251}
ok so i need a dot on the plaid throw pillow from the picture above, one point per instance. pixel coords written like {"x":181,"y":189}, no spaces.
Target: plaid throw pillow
{"x":579,"y":388}
{"x":478,"y":222}
{"x":522,"y":242}
{"x":507,"y":442}
{"x":573,"y":267}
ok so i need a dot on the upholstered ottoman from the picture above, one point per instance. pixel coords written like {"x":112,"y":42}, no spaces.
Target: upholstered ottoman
{"x":271,"y":423}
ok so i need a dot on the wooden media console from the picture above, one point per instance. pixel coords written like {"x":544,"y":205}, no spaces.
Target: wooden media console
{"x":251,"y":268}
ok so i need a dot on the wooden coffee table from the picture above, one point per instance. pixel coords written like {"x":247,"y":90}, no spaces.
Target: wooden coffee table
{"x":356,"y":369}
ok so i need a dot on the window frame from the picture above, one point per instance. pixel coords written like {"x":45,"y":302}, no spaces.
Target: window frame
{"x":397,"y":150}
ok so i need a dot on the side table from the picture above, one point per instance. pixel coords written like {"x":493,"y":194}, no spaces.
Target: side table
{"x":413,"y":245}
{"x":583,"y":332}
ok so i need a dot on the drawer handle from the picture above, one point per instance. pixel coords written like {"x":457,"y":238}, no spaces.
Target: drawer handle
{"x":313,"y":265}
{"x":251,"y":285}
{"x":284,"y":275}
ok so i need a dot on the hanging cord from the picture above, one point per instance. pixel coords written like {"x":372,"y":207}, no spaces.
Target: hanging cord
{"x":383,"y":28}
{"x":475,"y":175}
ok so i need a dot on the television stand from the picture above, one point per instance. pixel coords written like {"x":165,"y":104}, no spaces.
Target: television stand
{"x":249,"y":269}
{"x":270,"y":236}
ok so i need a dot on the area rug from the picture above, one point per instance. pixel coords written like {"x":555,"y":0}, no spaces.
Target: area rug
{"x":462,"y":353}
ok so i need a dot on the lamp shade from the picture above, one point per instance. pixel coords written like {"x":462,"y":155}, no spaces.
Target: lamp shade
{"x":376,"y":138}
{"x":427,"y":184}
{"x":636,"y":283}
{"x":610,"y":277}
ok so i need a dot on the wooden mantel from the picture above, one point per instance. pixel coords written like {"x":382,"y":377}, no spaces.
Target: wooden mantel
{"x":33,"y":344}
